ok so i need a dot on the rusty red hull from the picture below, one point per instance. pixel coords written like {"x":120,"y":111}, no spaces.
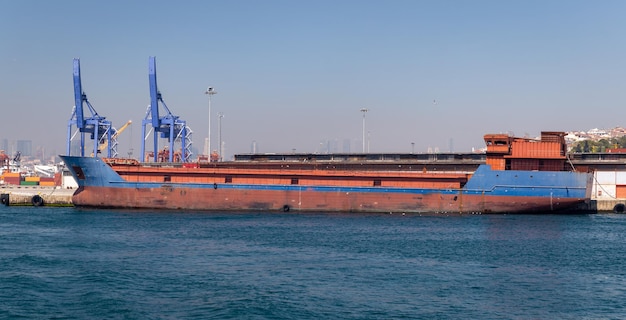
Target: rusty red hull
{"x":168,"y":197}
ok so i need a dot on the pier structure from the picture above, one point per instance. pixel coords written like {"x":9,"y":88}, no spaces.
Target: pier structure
{"x":37,"y":196}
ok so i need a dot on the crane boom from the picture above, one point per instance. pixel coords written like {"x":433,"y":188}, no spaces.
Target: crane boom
{"x":155,"y":95}
{"x":120,"y":130}
{"x":105,"y":144}
{"x":79,"y":96}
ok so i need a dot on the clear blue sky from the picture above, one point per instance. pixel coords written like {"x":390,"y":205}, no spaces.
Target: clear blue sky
{"x":290,"y":74}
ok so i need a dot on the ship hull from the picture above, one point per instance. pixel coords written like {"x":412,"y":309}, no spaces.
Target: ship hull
{"x":304,"y":199}
{"x":486,"y":191}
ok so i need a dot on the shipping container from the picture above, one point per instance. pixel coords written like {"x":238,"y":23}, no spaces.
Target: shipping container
{"x":47,"y":183}
{"x":58,"y":179}
{"x":12,"y":174}
{"x":12,"y":180}
{"x":31,"y":179}
{"x":29,"y":183}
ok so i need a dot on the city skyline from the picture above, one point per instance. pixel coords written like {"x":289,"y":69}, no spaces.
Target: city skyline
{"x":330,"y":146}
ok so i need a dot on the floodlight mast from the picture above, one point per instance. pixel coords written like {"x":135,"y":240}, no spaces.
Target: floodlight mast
{"x":210,"y":91}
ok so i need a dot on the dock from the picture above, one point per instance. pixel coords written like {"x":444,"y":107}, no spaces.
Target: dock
{"x":13,"y":195}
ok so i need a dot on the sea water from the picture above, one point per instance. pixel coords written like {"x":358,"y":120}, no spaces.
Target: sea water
{"x":68,"y":263}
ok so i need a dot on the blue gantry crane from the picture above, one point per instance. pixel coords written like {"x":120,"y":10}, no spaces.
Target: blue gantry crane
{"x":169,"y":126}
{"x":101,"y":130}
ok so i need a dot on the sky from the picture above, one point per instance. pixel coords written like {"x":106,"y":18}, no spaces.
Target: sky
{"x":291,"y":75}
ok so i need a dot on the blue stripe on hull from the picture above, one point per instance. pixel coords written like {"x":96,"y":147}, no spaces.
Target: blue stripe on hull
{"x":497,"y":190}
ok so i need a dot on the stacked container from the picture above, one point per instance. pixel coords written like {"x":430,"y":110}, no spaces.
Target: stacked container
{"x":13,"y":178}
{"x":30,"y":181}
{"x":47,"y":182}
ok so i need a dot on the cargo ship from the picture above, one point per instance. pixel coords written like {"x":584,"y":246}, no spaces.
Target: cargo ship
{"x":518,"y":175}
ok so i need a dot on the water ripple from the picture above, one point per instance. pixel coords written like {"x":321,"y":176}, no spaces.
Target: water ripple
{"x":96,"y":264}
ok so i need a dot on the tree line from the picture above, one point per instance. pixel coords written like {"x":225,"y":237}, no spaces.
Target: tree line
{"x":590,"y":146}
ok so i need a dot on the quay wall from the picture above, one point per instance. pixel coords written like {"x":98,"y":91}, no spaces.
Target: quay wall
{"x":35,"y":195}
{"x":608,"y":206}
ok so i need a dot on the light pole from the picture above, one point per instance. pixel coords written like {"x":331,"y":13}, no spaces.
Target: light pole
{"x":219,"y":137}
{"x":364,"y":110}
{"x":209,"y":91}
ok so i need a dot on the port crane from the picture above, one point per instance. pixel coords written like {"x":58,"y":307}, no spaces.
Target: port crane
{"x":169,"y":126}
{"x":101,"y":130}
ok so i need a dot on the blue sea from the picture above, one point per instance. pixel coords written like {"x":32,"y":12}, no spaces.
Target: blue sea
{"x":68,"y":263}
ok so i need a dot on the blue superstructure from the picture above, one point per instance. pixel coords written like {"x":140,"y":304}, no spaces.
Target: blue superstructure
{"x":564,"y":184}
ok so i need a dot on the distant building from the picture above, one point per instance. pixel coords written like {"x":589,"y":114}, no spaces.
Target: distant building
{"x":254,"y":147}
{"x":598,"y":132}
{"x":328,"y":146}
{"x":40,"y":153}
{"x":346,"y":146}
{"x":4,"y":145}
{"x":333,"y":146}
{"x":594,"y":134}
{"x":25,"y":147}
